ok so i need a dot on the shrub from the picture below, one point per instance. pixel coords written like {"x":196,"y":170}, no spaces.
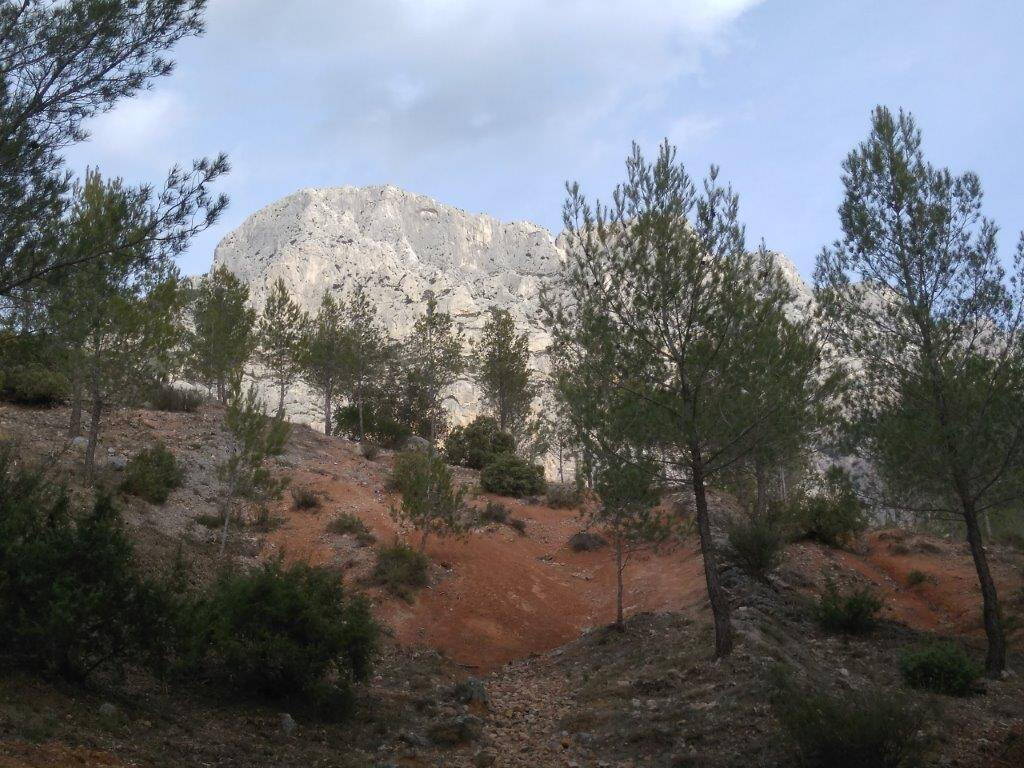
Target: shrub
{"x":432,"y":502}
{"x":833,"y":516}
{"x":71,"y":595}
{"x":517,"y":524}
{"x":852,"y":613}
{"x":347,"y":524}
{"x":152,"y":474}
{"x":275,"y":631}
{"x":916,"y":578}
{"x":476,"y":444}
{"x":169,"y":398}
{"x":401,"y":570}
{"x":562,"y":496}
{"x":369,"y":450}
{"x":850,"y":730}
{"x":509,"y":475}
{"x":303,"y":498}
{"x":755,"y":543}
{"x":939,"y":667}
{"x":494,"y":512}
{"x":585,"y":541}
{"x":264,"y":522}
{"x":379,"y":427}
{"x":30,"y":366}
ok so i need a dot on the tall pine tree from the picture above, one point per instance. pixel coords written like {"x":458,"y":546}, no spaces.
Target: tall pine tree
{"x":326,"y":355}
{"x":434,"y":362}
{"x":369,"y":353}
{"x":916,"y":294}
{"x":660,"y":301}
{"x":223,"y":334}
{"x":282,"y":327}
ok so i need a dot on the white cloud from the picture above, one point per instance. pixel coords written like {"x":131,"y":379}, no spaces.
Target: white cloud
{"x":139,"y":125}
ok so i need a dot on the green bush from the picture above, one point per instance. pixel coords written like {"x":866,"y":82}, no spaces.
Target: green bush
{"x":33,"y":386}
{"x":152,"y":474}
{"x":347,"y":524}
{"x":401,"y":570}
{"x":71,"y":596}
{"x":939,"y":667}
{"x":166,"y":397}
{"x":852,"y":613}
{"x":833,"y":516}
{"x":916,"y":578}
{"x":855,"y":729}
{"x":755,"y":543}
{"x":30,"y":366}
{"x":476,"y":444}
{"x":562,"y":496}
{"x":509,"y":475}
{"x":494,"y":512}
{"x":277,"y":631}
{"x":379,"y":427}
{"x":303,"y":498}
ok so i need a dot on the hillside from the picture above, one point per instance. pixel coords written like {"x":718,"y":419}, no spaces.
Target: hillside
{"x":524,"y":613}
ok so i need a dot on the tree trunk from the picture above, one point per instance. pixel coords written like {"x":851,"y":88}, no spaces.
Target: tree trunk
{"x":716,"y":596}
{"x":359,"y":409}
{"x":280,"y":399}
{"x":224,"y":530}
{"x":94,"y":434}
{"x":75,"y":422}
{"x":327,"y":409}
{"x":761,"y":493}
{"x":995,"y":658}
{"x":619,"y":623}
{"x":222,"y":391}
{"x":423,"y":541}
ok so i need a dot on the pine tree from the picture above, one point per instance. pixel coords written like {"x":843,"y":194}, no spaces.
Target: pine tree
{"x":118,"y":316}
{"x":628,"y":492}
{"x":501,"y":365}
{"x":62,"y":64}
{"x":369,"y":353}
{"x":434,"y":362}
{"x":254,"y":438}
{"x":660,"y":303}
{"x":327,"y":355}
{"x":935,"y":327}
{"x":281,"y":329}
{"x":431,"y":501}
{"x":223,"y":333}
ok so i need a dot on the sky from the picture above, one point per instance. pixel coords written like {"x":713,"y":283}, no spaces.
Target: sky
{"x":492,"y":105}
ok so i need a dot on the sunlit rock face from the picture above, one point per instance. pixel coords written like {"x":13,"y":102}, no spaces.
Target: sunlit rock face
{"x":404,"y":248}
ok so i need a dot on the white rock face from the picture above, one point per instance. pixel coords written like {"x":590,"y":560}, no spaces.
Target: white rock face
{"x":402,"y":247}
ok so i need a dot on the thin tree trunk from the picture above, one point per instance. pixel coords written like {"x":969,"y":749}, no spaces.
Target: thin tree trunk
{"x":619,"y":623}
{"x":222,"y":391}
{"x":782,"y":485}
{"x":224,"y":530}
{"x":327,"y":409}
{"x":359,"y":409}
{"x":94,"y":434}
{"x":761,"y":493}
{"x":75,"y":422}
{"x":716,"y":596}
{"x":423,"y":541}
{"x":995,"y":658}
{"x":280,"y":400}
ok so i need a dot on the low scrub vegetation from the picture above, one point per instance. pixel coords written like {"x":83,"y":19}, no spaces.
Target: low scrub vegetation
{"x":347,"y":524}
{"x":30,"y":373}
{"x":939,"y":667}
{"x":509,"y":475}
{"x":152,"y":474}
{"x":303,"y":498}
{"x":476,"y":444}
{"x":71,"y":596}
{"x":166,"y":397}
{"x":854,"y":612}
{"x":833,"y":516}
{"x":401,"y":570}
{"x":562,"y":496}
{"x":755,"y":543}
{"x":494,"y":512}
{"x":853,"y":729}
{"x":276,"y":630}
